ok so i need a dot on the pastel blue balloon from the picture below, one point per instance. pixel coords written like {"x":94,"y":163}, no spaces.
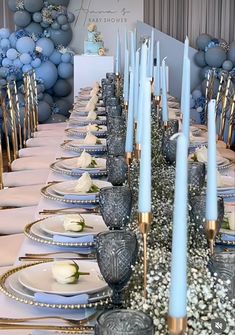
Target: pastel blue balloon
{"x":196,"y":94}
{"x":55,"y":25}
{"x":12,"y":5}
{"x":36,"y":62}
{"x":11,"y":77}
{"x":62,"y":88}
{"x":45,"y":24}
{"x":34,"y":28}
{"x":26,"y":68}
{"x":71,"y":17}
{"x":5,"y":43}
{"x":47,"y":46}
{"x":231,"y":52}
{"x":63,"y":106}
{"x":202,"y":41}
{"x":6,"y":62}
{"x":47,"y":72}
{"x":44,"y":111}
{"x":56,"y":57}
{"x":3,"y":72}
{"x":62,"y":19}
{"x":56,"y":118}
{"x":59,"y":2}
{"x":11,"y":53}
{"x":66,"y":58}
{"x":4,"y":33}
{"x":65,"y":26}
{"x":22,"y":18}
{"x":25,"y":44}
{"x":33,"y":6}
{"x":40,"y":88}
{"x":40,"y":96}
{"x":25,"y":58}
{"x":65,"y":70}
{"x":48,"y":98}
{"x":37,"y":17}
{"x":3,"y":82}
{"x":204,"y":72}
{"x":61,"y":37}
{"x":215,"y":56}
{"x":227,"y":65}
{"x":17,"y":63}
{"x":200,"y":58}
{"x":13,"y":39}
{"x":192,"y":102}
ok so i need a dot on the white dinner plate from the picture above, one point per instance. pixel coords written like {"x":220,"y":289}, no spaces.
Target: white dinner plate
{"x":75,"y":117}
{"x":80,"y":143}
{"x":85,"y":129}
{"x":219,"y":160}
{"x":54,"y":225}
{"x":227,"y":182}
{"x":71,"y":164}
{"x":67,"y":187}
{"x":39,"y":278}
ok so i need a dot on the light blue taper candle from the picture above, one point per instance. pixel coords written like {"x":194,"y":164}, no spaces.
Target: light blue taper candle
{"x":211,"y":190}
{"x":186,"y":114}
{"x":143,"y":72}
{"x":135,"y":39}
{"x":157,"y":73}
{"x":144,"y":200}
{"x":118,"y":55}
{"x":130,"y":117}
{"x":186,"y":46}
{"x":136,"y":83}
{"x":164,"y":93}
{"x":178,"y":286}
{"x":151,"y":52}
{"x":132,"y":47}
{"x":126,"y":77}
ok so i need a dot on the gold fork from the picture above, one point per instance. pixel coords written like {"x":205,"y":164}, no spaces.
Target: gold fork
{"x":88,"y":256}
{"x":62,"y":329}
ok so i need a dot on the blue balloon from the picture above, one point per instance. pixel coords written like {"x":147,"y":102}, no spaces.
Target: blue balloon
{"x":56,"y":57}
{"x":63,"y":106}
{"x":4,"y":33}
{"x":33,"y":6}
{"x":45,"y":24}
{"x":200,"y":58}
{"x":26,"y":68}
{"x":17,"y":63}
{"x":227,"y":65}
{"x":34,"y":28}
{"x":37,"y":17}
{"x":3,"y":82}
{"x":47,"y":72}
{"x":12,"y":54}
{"x":48,"y":98}
{"x":25,"y":58}
{"x":231,"y":52}
{"x":5,"y":43}
{"x":13,"y":39}
{"x":22,"y":18}
{"x":202,"y":41}
{"x":215,"y":56}
{"x":25,"y":44}
{"x":71,"y":17}
{"x":40,"y":88}
{"x":62,"y":88}
{"x":44,"y":111}
{"x":3,"y":72}
{"x":6,"y":62}
{"x":36,"y":62}
{"x":65,"y":70}
{"x":40,"y":96}
{"x":56,"y":118}
{"x":59,"y":2}
{"x":66,"y":58}
{"x":46,"y":45}
{"x":196,"y":94}
{"x":204,"y":72}
{"x":65,"y":27}
{"x":11,"y":77}
{"x":192,"y":102}
{"x":55,"y":25}
{"x":12,"y":5}
{"x":62,"y":19}
{"x":60,"y":37}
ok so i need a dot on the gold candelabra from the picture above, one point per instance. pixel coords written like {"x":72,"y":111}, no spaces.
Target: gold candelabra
{"x":137,"y":151}
{"x":177,"y":326}
{"x":211,"y":230}
{"x":128,"y":158}
{"x":231,"y":123}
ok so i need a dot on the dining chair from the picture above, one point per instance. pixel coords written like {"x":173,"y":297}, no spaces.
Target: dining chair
{"x":9,"y":248}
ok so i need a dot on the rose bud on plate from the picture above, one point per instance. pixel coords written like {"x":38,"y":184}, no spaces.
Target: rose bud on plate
{"x":66,"y":272}
{"x":75,"y":223}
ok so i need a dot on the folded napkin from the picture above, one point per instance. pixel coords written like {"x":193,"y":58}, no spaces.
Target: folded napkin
{"x":228,"y":237}
{"x":77,"y":170}
{"x":48,"y":298}
{"x":75,"y":197}
{"x":80,"y":239}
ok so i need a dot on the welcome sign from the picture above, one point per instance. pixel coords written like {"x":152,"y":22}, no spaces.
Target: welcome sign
{"x":108,"y":15}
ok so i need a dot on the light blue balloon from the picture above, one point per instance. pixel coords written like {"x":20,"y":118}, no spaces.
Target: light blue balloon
{"x":34,"y":28}
{"x":13,"y":39}
{"x":6,"y":62}
{"x":47,"y":46}
{"x":66,"y":58}
{"x":56,"y":57}
{"x":26,"y":68}
{"x":192,"y":102}
{"x":5,"y":43}
{"x":71,"y":17}
{"x":59,"y":2}
{"x":17,"y":63}
{"x":65,"y":70}
{"x":65,"y":27}
{"x":25,"y":58}
{"x":12,"y":5}
{"x":40,"y":88}
{"x":56,"y":118}
{"x":202,"y":41}
{"x":45,"y":24}
{"x":3,"y":82}
{"x":55,"y":25}
{"x":227,"y":65}
{"x":47,"y":72}
{"x":4,"y":33}
{"x":36,"y":62}
{"x":60,"y":37}
{"x":63,"y":106}
{"x":215,"y":56}
{"x":204,"y":72}
{"x":33,"y":6}
{"x":200,"y":58}
{"x":48,"y":98}
{"x":40,"y":96}
{"x":196,"y":94}
{"x":11,"y":53}
{"x":3,"y":72}
{"x":62,"y":88}
{"x":22,"y":18}
{"x":231,"y":52}
{"x":44,"y":111}
{"x":62,"y":19}
{"x":11,"y":77}
{"x":37,"y":17}
{"x":25,"y":44}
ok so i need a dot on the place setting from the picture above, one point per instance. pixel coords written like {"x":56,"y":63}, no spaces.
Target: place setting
{"x":90,"y":143}
{"x":95,"y":129}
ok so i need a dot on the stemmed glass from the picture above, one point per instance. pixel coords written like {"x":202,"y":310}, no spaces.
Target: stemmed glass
{"x":116,"y":253}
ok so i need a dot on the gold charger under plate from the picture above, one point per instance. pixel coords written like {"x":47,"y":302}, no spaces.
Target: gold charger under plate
{"x":28,"y":233}
{"x":20,"y":298}
{"x":67,"y":146}
{"x":57,"y":169}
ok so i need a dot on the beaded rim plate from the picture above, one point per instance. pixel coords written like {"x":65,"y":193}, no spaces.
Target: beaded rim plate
{"x":67,"y":146}
{"x":54,"y":167}
{"x":28,"y":233}
{"x":219,"y":240}
{"x":82,"y":134}
{"x":5,"y":289}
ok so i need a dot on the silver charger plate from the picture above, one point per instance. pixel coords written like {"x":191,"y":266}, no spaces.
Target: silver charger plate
{"x":67,"y":146}
{"x":56,"y":168}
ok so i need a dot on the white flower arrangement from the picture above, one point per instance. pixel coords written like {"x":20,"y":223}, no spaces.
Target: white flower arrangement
{"x":92,"y":27}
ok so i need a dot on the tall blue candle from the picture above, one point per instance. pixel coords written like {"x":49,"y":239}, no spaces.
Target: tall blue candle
{"x":118,"y":55}
{"x":143,"y":71}
{"x":135,"y":39}
{"x":151,"y":52}
{"x":157,"y":73}
{"x":178,"y":287}
{"x":136,"y":83}
{"x":130,"y":120}
{"x":186,"y":113}
{"x":126,"y":77}
{"x":144,"y":200}
{"x":186,"y":46}
{"x":211,"y":190}
{"x":132,"y":50}
{"x":164,"y":93}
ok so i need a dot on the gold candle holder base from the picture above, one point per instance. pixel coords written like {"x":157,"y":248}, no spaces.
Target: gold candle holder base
{"x":145,"y":220}
{"x":126,"y":107}
{"x":165,"y":125}
{"x":211,"y":230}
{"x":177,"y":326}
{"x":128,"y":158}
{"x":138,"y":151}
{"x":157,"y":100}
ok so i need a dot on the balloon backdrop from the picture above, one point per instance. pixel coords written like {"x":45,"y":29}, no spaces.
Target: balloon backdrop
{"x":40,"y":42}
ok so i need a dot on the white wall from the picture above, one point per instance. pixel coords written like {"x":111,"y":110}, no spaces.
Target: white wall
{"x":174,"y":50}
{"x":109,"y":16}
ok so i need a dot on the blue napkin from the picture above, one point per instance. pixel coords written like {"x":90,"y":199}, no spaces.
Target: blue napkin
{"x":90,"y":171}
{"x":228,"y":237}
{"x":48,"y":298}
{"x":88,"y":197}
{"x":80,"y":239}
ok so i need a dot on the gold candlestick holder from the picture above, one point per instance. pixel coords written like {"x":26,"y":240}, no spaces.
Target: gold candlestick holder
{"x":128,"y":158}
{"x":165,"y":125}
{"x":126,"y":106}
{"x":211,"y":230}
{"x":177,"y":326}
{"x":137,"y":151}
{"x":145,"y":220}
{"x":157,"y":100}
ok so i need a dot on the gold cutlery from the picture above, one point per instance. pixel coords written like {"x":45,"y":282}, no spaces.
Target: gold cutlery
{"x":70,"y":210}
{"x":50,"y":259}
{"x":63,"y":329}
{"x":88,"y":256}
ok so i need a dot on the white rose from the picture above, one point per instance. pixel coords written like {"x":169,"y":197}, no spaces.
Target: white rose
{"x":219,"y":179}
{"x":231,"y":219}
{"x":94,"y":91}
{"x":65,"y":272}
{"x":94,"y":99}
{"x":96,"y":85}
{"x":92,"y":115}
{"x":202,"y":154}
{"x":84,"y":160}
{"x":91,"y":27}
{"x":84,"y":183}
{"x":90,"y":139}
{"x":90,"y":106}
{"x":73,"y":223}
{"x":91,"y":127}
